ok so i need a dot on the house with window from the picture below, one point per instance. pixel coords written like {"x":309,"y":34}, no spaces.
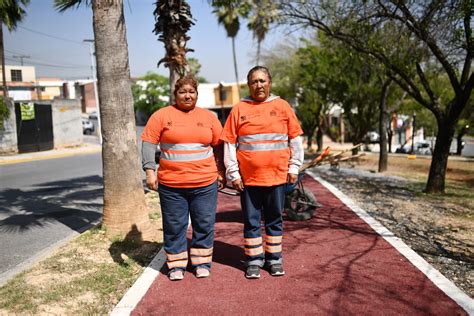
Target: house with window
{"x":21,"y":82}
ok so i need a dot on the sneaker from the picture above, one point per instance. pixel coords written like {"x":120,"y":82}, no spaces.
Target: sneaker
{"x":252,"y":272}
{"x":277,"y":269}
{"x":202,"y":273}
{"x":176,"y":275}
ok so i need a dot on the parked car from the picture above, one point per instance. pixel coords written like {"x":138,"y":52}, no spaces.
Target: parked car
{"x":87,"y":126}
{"x":420,"y":148}
{"x":372,"y":137}
{"x":93,"y":115}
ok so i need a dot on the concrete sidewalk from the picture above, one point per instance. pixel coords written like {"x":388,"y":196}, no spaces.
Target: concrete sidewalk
{"x":85,"y":148}
{"x":340,"y":262}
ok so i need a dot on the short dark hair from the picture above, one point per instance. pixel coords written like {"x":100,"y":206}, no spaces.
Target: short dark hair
{"x":259,"y":68}
{"x":188,"y":79}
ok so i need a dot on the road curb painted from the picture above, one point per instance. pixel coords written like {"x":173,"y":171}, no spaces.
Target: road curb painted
{"x":138,"y":290}
{"x":48,"y":155}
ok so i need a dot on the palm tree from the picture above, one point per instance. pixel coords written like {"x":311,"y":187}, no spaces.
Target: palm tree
{"x":125,"y":211}
{"x":228,"y":15}
{"x":262,"y":14}
{"x":173,"y":20}
{"x":11,"y":13}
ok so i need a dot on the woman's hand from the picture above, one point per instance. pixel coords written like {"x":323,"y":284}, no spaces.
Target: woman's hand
{"x":238,"y":185}
{"x":221,"y":181}
{"x":292,"y":178}
{"x":151,"y":179}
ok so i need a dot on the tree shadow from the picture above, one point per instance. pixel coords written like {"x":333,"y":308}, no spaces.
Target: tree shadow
{"x":134,"y":247}
{"x":76,"y":203}
{"x":229,"y":216}
{"x":229,"y":255}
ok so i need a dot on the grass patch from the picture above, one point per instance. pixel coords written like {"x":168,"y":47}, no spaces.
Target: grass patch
{"x":88,"y":276}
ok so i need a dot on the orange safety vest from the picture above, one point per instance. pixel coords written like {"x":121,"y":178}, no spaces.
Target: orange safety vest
{"x":185,"y":138}
{"x":261,"y":131}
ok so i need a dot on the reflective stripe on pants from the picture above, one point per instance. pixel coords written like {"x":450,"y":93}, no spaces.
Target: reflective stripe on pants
{"x":269,"y":202}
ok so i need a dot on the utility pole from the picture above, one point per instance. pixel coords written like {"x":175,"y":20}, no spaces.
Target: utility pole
{"x":21,"y":57}
{"x":94,"y":79}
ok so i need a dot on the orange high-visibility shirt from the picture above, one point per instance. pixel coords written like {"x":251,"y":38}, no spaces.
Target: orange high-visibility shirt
{"x":261,"y":131}
{"x":185,"y":138}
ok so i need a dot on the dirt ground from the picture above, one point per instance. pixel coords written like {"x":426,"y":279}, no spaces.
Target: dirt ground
{"x":439,"y":228}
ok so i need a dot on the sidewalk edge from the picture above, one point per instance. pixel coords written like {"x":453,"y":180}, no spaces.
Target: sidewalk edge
{"x":134,"y":294}
{"x":45,"y":155}
{"x":448,"y":287}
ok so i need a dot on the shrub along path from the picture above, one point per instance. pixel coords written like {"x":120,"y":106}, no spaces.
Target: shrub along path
{"x":335,"y":263}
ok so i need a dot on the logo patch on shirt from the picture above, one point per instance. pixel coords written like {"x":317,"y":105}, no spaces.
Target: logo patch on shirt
{"x":273,"y":113}
{"x":200,"y":124}
{"x":169,"y":123}
{"x":243,"y":118}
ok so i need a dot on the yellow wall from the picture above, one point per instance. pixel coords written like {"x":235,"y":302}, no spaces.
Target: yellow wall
{"x":27,"y":72}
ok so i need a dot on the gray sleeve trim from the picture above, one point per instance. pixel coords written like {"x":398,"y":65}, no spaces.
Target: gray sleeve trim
{"x":148,"y":155}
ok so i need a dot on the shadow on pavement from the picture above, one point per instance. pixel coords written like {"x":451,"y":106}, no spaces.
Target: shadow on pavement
{"x":75,"y":203}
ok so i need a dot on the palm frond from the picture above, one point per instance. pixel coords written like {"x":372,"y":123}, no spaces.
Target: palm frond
{"x":63,"y":5}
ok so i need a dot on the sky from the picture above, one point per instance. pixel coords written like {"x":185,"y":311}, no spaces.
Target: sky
{"x":55,"y":43}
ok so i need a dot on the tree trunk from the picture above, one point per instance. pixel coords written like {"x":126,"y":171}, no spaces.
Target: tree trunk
{"x":383,"y":155}
{"x":309,"y":136}
{"x":2,"y":57}
{"x":439,"y":161}
{"x":125,"y":211}
{"x":319,"y":139}
{"x":389,"y":136}
{"x":235,"y":66}
{"x":258,"y":53}
{"x":174,"y":76}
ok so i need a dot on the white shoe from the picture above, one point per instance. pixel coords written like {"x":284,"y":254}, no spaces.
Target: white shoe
{"x":202,"y":273}
{"x":176,"y":275}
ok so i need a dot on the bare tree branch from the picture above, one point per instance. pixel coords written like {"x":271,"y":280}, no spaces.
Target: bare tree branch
{"x":469,"y":43}
{"x":425,"y":83}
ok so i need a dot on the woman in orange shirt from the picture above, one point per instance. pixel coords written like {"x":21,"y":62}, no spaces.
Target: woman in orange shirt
{"x":189,"y":176}
{"x":263,"y":151}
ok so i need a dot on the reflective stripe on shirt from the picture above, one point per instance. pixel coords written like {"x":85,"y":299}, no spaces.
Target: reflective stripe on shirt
{"x":265,"y":146}
{"x":192,"y":146}
{"x":173,"y":156}
{"x":253,"y":142}
{"x":257,"y":137}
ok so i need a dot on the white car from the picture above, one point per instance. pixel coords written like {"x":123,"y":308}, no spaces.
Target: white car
{"x":87,"y":126}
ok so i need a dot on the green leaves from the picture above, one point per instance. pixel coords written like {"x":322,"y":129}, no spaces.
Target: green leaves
{"x":12,"y":12}
{"x":151,"y":92}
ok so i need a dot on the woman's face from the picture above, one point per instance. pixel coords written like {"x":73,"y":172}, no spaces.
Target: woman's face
{"x":259,"y":86}
{"x":186,"y":97}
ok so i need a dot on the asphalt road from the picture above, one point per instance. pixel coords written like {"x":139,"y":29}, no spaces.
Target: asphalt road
{"x":44,"y":202}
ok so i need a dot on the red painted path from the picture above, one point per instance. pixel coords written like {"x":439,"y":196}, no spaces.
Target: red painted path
{"x":335,"y":265}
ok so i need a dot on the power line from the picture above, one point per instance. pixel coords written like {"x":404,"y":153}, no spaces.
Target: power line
{"x":37,"y":60}
{"x":51,"y":65}
{"x":21,"y":57}
{"x":51,"y":36}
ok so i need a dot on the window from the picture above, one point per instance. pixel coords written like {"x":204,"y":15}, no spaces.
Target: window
{"x":16,"y":75}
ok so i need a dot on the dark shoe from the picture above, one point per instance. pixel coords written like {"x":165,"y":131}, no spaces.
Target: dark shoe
{"x":277,"y":269}
{"x":252,"y":272}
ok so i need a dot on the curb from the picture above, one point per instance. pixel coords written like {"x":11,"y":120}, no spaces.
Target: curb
{"x":58,"y":153}
{"x":138,"y":290}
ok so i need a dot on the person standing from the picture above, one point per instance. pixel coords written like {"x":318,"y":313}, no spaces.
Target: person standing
{"x":189,"y":175}
{"x":263,"y":151}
